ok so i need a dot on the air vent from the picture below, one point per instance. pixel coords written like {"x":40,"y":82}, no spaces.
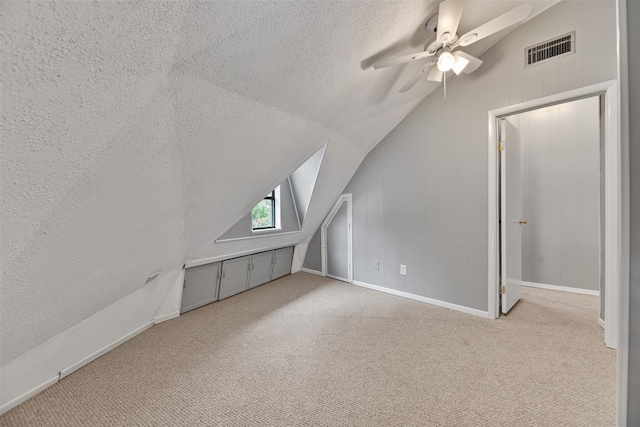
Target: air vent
{"x":559,"y":46}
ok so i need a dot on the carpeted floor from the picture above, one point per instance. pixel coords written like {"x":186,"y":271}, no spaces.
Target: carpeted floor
{"x":309,"y":351}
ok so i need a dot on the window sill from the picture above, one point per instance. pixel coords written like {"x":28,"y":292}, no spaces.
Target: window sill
{"x":265,"y":230}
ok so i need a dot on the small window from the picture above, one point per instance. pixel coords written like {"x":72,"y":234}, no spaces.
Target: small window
{"x":263,"y":215}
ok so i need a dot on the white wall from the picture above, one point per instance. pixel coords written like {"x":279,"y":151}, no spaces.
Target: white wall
{"x":420,"y":197}
{"x":561,"y":194}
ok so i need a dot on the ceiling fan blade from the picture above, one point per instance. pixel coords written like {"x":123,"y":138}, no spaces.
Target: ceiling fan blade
{"x":500,"y":23}
{"x":417,"y":76}
{"x":401,"y":59}
{"x":448,"y":19}
{"x":435,"y":75}
{"x":473,"y":64}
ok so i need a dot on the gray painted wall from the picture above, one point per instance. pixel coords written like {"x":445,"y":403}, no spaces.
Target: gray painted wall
{"x":561,"y":194}
{"x":313,"y":258}
{"x":420,"y":196}
{"x":633,"y":17}
{"x":288,"y":219}
{"x":303,"y":180}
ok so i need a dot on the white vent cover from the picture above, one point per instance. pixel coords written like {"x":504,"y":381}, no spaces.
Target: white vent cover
{"x":542,"y":52}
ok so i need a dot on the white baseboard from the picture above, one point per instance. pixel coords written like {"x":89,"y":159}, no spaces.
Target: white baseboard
{"x":310,"y":271}
{"x":27,"y":395}
{"x":601,"y":323}
{"x":166,"y":317}
{"x":93,"y":356}
{"x":561,"y":288}
{"x":431,"y":301}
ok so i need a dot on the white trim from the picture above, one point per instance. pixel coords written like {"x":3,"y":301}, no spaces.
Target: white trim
{"x":183,"y":278}
{"x":209,"y":260}
{"x":612,"y":211}
{"x":451,"y":306}
{"x":27,"y":395}
{"x":166,"y":317}
{"x":613,"y":195}
{"x":310,"y":271}
{"x":80,"y":363}
{"x":260,"y":233}
{"x":623,"y":295}
{"x":493,"y":307}
{"x":348,"y":198}
{"x":561,"y":288}
{"x":601,"y":323}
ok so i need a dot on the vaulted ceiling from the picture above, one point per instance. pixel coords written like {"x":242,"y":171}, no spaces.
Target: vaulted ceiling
{"x":136,"y":133}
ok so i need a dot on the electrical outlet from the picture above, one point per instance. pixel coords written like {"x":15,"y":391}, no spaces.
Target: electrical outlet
{"x":376,"y":265}
{"x":403,"y":269}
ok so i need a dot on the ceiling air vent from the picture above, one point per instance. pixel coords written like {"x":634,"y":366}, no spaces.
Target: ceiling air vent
{"x":542,"y":52}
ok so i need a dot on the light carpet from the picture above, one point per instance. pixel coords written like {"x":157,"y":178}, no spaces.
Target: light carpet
{"x":310,"y":351}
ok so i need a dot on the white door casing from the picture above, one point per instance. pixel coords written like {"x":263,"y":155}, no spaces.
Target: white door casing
{"x":613,"y":199}
{"x":344,"y":198}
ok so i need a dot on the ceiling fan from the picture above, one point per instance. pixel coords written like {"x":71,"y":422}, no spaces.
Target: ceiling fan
{"x":443,"y":49}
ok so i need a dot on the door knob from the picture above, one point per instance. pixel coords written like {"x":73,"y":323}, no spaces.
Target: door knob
{"x":523,"y":221}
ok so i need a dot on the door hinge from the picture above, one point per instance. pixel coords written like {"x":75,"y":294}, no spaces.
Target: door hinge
{"x":503,"y":289}
{"x":501,"y":145}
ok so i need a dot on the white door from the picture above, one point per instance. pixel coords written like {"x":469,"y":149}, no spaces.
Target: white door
{"x":511,"y":221}
{"x":337,"y":245}
{"x":337,"y":250}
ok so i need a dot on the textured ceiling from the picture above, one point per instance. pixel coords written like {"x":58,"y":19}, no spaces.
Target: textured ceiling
{"x":136,"y":133}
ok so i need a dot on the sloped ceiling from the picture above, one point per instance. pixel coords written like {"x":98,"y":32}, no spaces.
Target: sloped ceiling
{"x":136,"y":133}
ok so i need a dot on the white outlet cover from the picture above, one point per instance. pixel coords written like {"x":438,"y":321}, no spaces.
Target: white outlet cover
{"x":403,"y":269}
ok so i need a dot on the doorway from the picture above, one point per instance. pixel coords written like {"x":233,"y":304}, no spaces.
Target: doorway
{"x":336,"y":241}
{"x":611,"y":201}
{"x":550,"y":173}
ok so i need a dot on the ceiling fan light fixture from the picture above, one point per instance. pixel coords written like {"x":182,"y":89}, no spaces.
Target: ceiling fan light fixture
{"x":446,"y":61}
{"x":460,"y":64}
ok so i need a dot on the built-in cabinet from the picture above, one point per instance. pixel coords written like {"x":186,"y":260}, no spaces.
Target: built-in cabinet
{"x":260,"y":269}
{"x":282,"y":262}
{"x":211,"y":282}
{"x":234,"y":276}
{"x":200,"y":286}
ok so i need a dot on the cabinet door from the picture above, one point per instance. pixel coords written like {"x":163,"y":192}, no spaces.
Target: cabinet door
{"x":234,"y":276}
{"x":200,"y":286}
{"x":282,"y":262}
{"x":260,"y":268}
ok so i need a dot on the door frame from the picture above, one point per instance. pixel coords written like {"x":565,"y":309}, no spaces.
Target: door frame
{"x":323,"y":234}
{"x":612,"y":198}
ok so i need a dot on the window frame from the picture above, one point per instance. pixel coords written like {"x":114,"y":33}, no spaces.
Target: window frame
{"x":272,"y":197}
